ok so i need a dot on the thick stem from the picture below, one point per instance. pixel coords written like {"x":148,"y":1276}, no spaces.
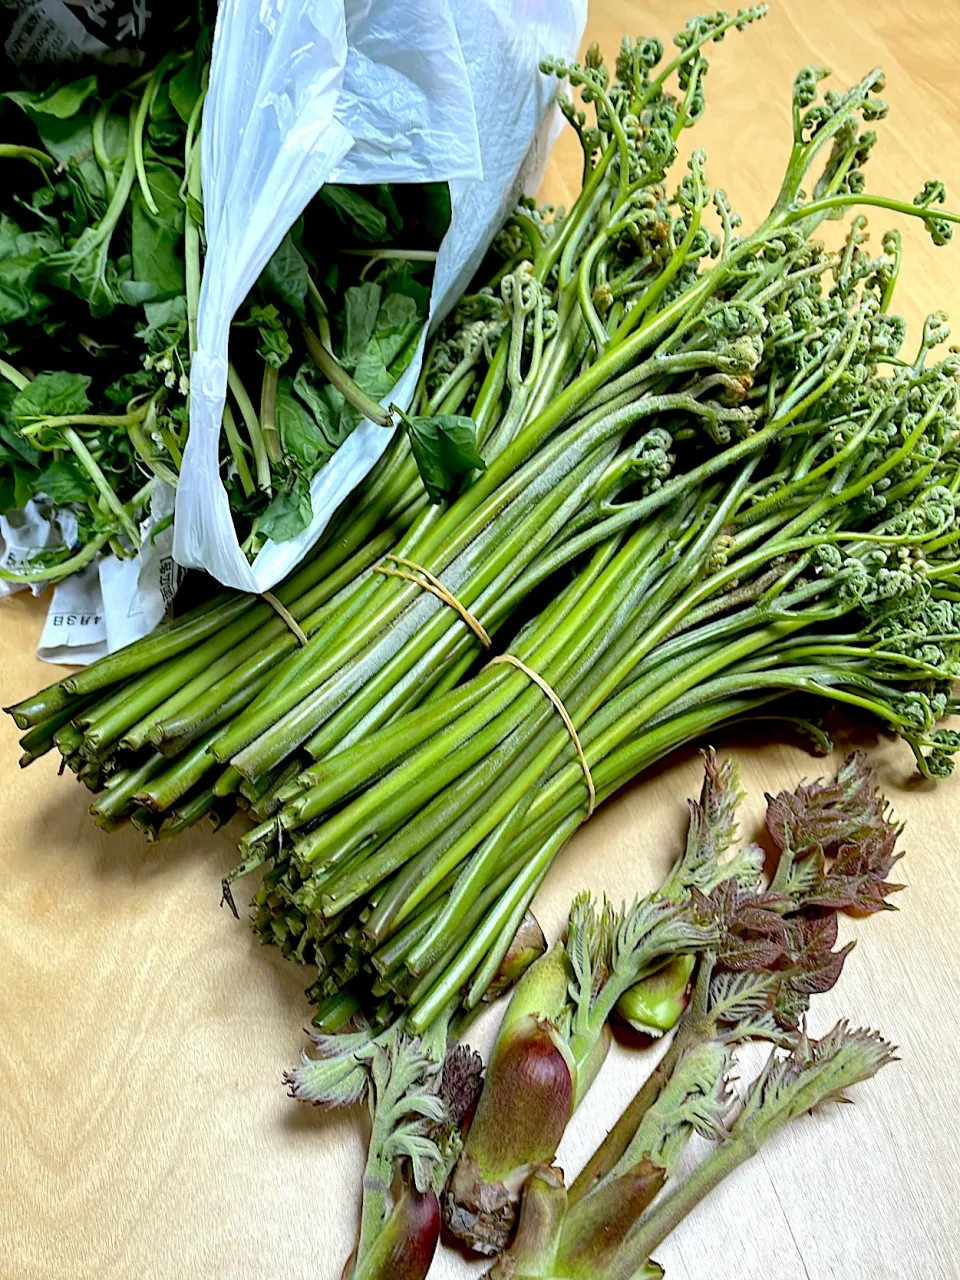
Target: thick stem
{"x":334,"y":372}
{"x":138,"y":127}
{"x":268,"y":413}
{"x":237,"y":452}
{"x":64,"y":568}
{"x":252,"y":423}
{"x":667,"y":1214}
{"x":104,"y":488}
{"x":19,"y":380}
{"x":10,"y":151}
{"x":191,"y":244}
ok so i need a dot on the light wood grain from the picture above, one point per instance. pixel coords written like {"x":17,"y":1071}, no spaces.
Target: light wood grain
{"x":144,"y":1134}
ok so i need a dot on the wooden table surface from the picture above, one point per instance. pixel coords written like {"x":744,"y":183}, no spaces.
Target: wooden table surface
{"x":144,"y":1134}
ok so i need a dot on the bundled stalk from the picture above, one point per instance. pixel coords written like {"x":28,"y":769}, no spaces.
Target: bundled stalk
{"x":758,"y":951}
{"x":707,"y":446}
{"x":814,"y":555}
{"x":828,"y":572}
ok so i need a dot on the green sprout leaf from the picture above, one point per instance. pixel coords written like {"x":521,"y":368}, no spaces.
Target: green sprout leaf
{"x":157,"y":239}
{"x":13,"y":447}
{"x":16,"y":487}
{"x":286,"y":274}
{"x":185,"y":87}
{"x":22,"y":254}
{"x":361,"y":305}
{"x":300,"y":436}
{"x":274,"y":340}
{"x":356,"y":211}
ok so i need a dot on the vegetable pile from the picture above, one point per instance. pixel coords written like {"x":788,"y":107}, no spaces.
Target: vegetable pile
{"x":101,"y":261}
{"x":661,"y":473}
{"x":710,"y":466}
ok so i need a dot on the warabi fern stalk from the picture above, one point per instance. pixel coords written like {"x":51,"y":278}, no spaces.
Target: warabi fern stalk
{"x":455,"y":814}
{"x":773,"y":950}
{"x":820,"y":563}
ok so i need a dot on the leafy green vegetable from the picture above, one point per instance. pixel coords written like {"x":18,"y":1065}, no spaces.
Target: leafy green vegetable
{"x":116,"y":129}
{"x":61,"y":102}
{"x":64,"y":482}
{"x":185,"y":86}
{"x":53,"y":395}
{"x":70,"y":142}
{"x":16,"y":487}
{"x":361,"y":305}
{"x":371,"y":374}
{"x":355,"y":210}
{"x":22,"y":255}
{"x":87,"y":270}
{"x":101,"y":264}
{"x":326,"y":405}
{"x":286,"y":274}
{"x":445,"y":449}
{"x":288,"y":513}
{"x":164,"y":123}
{"x":164,"y":315}
{"x":398,"y":320}
{"x":302,"y":439}
{"x":275,"y":345}
{"x":13,"y":447}
{"x":433,"y":201}
{"x":194,"y":210}
{"x":157,"y":238}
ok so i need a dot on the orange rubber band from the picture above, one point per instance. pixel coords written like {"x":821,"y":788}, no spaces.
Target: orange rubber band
{"x":436,"y":587}
{"x":283,"y":612}
{"x":555,"y":699}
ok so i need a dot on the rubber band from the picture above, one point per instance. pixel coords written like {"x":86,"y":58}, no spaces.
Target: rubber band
{"x":555,"y":699}
{"x":283,"y":612}
{"x":436,"y":587}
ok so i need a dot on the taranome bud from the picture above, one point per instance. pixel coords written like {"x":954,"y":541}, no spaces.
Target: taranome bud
{"x":528,"y":945}
{"x":654,"y":1005}
{"x":526,"y":1104}
{"x":535,"y":1246}
{"x":405,"y":1247}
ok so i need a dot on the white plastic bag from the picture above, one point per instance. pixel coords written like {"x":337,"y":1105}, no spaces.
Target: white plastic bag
{"x":24,"y":532}
{"x":114,"y":601}
{"x":304,"y":92}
